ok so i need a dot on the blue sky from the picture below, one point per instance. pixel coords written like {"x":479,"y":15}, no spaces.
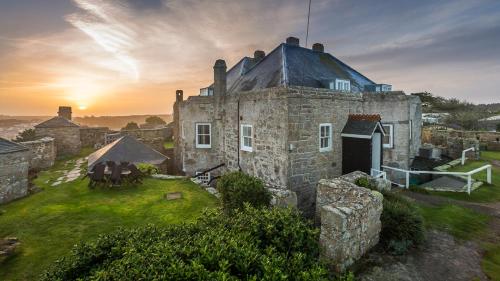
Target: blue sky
{"x":87,"y":53}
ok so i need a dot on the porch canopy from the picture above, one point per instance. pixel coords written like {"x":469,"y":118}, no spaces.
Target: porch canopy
{"x":126,"y":149}
{"x":362,"y":126}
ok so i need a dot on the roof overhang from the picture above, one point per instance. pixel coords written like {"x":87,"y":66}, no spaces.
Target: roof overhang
{"x":359,"y":136}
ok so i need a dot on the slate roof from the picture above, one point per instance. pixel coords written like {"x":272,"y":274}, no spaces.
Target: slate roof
{"x":7,"y":146}
{"x":291,"y":65}
{"x":57,"y":122}
{"x":127,"y":149}
{"x":362,"y":125}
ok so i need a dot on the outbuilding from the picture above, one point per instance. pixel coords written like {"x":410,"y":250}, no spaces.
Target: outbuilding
{"x":14,"y":165}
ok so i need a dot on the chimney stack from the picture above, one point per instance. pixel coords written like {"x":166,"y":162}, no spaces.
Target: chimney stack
{"x":294,"y":41}
{"x":258,"y":55}
{"x":64,"y":111}
{"x":318,"y":47}
{"x":179,"y":95}
{"x":220,"y":83}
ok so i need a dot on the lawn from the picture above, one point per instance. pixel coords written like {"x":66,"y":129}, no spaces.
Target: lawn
{"x":50,"y":222}
{"x":487,"y":192}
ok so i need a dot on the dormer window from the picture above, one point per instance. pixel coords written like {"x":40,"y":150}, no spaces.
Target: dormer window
{"x":342,"y":85}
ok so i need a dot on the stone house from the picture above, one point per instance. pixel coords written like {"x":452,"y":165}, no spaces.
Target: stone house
{"x":14,"y":165}
{"x":65,"y":132}
{"x":281,"y":118}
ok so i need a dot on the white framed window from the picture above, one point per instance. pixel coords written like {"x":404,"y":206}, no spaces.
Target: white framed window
{"x":342,"y":85}
{"x":325,"y":137}
{"x":203,"y":135}
{"x":389,"y":135}
{"x":246,"y":138}
{"x":204,"y":179}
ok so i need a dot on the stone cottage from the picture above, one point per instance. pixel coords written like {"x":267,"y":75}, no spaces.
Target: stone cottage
{"x":65,"y":132}
{"x":288,"y":118}
{"x":14,"y":165}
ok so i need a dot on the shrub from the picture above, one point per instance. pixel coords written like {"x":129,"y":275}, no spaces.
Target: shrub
{"x":402,"y":224}
{"x":364,"y":182}
{"x":252,"y":244}
{"x":26,"y":135}
{"x":237,"y":188}
{"x":148,"y":169}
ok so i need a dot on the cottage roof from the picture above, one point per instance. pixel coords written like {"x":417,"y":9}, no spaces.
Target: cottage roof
{"x":291,"y":65}
{"x":57,"y":122}
{"x":7,"y":146}
{"x":362,"y":126}
{"x":127,"y":149}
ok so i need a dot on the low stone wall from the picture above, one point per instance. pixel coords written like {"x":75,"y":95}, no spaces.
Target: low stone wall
{"x":153,"y":138}
{"x":453,"y":142}
{"x":42,"y":154}
{"x":93,"y":136}
{"x":13,"y":175}
{"x":350,"y":220}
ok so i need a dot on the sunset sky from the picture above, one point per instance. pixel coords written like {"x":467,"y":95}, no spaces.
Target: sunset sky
{"x":110,"y":57}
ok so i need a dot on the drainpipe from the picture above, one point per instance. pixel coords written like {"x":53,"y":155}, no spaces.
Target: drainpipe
{"x":239,"y":135}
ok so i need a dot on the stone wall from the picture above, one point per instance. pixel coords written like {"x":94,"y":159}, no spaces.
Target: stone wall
{"x":350,"y":221}
{"x":42,"y":154}
{"x":13,"y":175}
{"x":93,"y":136}
{"x":154,"y":138}
{"x":454,"y":142}
{"x":67,"y":139}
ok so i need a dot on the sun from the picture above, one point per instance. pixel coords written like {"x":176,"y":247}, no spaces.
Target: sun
{"x":82,"y":107}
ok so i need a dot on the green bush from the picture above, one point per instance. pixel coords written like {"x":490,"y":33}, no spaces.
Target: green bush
{"x":148,"y":169}
{"x":402,"y":224}
{"x":252,"y":244}
{"x":237,"y":188}
{"x":364,"y":182}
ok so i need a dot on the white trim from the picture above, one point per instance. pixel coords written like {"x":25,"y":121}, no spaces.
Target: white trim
{"x":329,"y":137}
{"x":343,"y":85}
{"x":244,"y":147}
{"x":356,"y":136}
{"x":391,"y":136}
{"x":198,"y":145}
{"x":411,"y":129}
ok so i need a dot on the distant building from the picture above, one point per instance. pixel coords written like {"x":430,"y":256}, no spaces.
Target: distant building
{"x":434,"y":118}
{"x":491,"y":123}
{"x":14,"y":166}
{"x":294,"y":117}
{"x":65,"y":132}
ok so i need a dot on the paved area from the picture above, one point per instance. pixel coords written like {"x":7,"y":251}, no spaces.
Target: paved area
{"x":73,"y":174}
{"x":446,"y":183}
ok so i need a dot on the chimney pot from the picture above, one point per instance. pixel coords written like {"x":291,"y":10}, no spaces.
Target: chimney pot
{"x":318,"y":47}
{"x":179,"y":95}
{"x":258,"y":55}
{"x":65,"y":111}
{"x":294,"y":41}
{"x":220,"y":81}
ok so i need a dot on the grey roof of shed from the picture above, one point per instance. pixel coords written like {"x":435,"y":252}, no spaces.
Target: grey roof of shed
{"x":127,"y":149}
{"x":57,"y":122}
{"x":7,"y":146}
{"x":361,"y":127}
{"x":290,"y":65}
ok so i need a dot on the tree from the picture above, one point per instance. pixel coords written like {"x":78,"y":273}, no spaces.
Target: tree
{"x":155,"y":120}
{"x":131,"y":126}
{"x":26,"y":135}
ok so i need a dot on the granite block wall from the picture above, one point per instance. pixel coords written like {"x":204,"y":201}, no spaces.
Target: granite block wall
{"x":13,"y":175}
{"x":42,"y":153}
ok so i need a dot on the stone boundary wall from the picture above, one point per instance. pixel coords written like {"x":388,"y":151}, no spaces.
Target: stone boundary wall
{"x":350,"y":221}
{"x":42,"y":153}
{"x":13,"y":175}
{"x":453,"y":142}
{"x":153,"y":138}
{"x":93,"y":136}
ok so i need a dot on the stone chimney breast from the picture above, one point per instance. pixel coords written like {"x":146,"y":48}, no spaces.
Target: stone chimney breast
{"x":179,"y":95}
{"x":65,"y":111}
{"x":294,"y":41}
{"x":220,"y":81}
{"x":258,"y":55}
{"x":318,"y":47}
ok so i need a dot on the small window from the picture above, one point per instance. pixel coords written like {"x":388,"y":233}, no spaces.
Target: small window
{"x":342,"y":85}
{"x":203,"y":135}
{"x":246,"y":138}
{"x":389,"y":135}
{"x":325,"y":137}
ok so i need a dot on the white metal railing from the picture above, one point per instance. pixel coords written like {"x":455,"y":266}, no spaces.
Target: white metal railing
{"x":378,"y":174}
{"x":468,"y":174}
{"x":465,"y":151}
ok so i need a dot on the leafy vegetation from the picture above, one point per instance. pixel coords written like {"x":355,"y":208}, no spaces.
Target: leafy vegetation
{"x":131,"y":126}
{"x":148,"y":169}
{"x":253,"y":244}
{"x":155,"y":120}
{"x":168,"y":144}
{"x":402,"y":224}
{"x":238,"y":188}
{"x":50,"y":222}
{"x":26,"y":135}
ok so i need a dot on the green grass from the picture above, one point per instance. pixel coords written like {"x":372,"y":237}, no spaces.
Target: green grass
{"x":487,"y":192}
{"x":50,"y":222}
{"x":168,"y":144}
{"x":461,"y":222}
{"x":491,"y":262}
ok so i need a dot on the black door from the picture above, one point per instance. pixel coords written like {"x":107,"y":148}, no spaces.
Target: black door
{"x":356,"y":155}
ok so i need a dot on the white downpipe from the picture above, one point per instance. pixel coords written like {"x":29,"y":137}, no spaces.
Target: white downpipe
{"x":407,"y":179}
{"x":469,"y":183}
{"x":465,"y":151}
